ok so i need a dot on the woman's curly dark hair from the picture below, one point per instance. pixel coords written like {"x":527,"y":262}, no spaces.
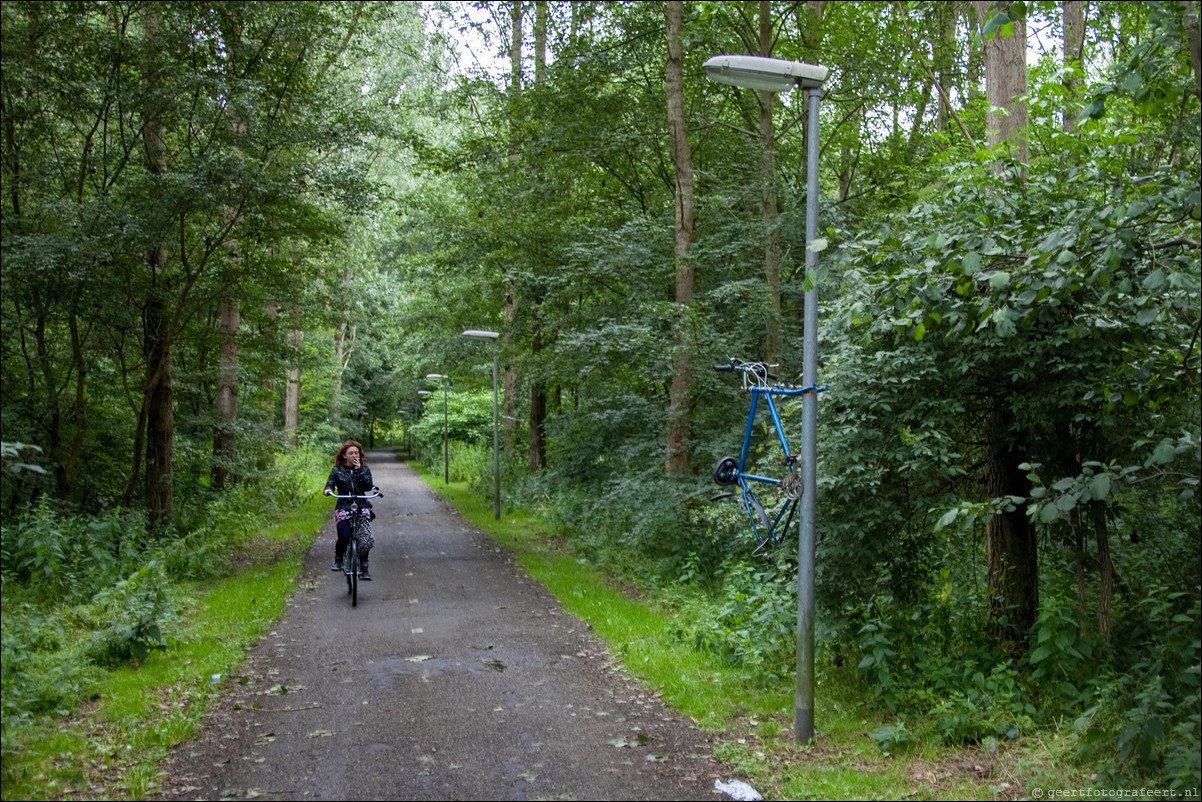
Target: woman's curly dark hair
{"x":340,"y":459}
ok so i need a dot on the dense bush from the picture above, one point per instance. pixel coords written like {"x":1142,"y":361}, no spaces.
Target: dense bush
{"x":82,"y":592}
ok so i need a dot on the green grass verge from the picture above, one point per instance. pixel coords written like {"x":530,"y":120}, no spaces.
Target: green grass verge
{"x":111,"y":748}
{"x":755,"y":724}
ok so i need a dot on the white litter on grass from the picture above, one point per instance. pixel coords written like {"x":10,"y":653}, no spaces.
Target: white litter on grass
{"x":737,"y":789}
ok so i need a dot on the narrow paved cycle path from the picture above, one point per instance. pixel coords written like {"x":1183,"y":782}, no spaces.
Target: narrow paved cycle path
{"x":456,"y":677}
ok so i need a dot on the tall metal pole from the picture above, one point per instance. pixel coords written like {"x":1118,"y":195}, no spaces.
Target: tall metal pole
{"x":496,"y":458}
{"x":803,"y":698}
{"x":446,"y":444}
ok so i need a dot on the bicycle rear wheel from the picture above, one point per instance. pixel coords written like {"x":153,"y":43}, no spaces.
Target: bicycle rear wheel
{"x":352,"y":577}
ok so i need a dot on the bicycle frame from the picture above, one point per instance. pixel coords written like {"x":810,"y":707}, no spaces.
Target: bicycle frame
{"x":762,"y":384}
{"x":352,"y":559}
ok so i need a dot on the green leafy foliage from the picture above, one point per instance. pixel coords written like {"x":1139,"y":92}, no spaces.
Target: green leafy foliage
{"x":130,"y":616}
{"x":84,"y":593}
{"x":753,"y":625}
{"x":980,"y":318}
{"x":894,"y":739}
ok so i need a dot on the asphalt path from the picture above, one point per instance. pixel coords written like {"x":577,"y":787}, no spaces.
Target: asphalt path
{"x":456,"y":677}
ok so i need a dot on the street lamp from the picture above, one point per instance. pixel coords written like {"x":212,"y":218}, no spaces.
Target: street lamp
{"x":778,"y":75}
{"x":405,"y":423}
{"x":477,"y":334}
{"x":446,"y":446}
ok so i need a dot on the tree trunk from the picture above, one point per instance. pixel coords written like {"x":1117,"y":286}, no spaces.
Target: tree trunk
{"x":156,"y":340}
{"x":916,"y":128}
{"x":79,"y":410}
{"x":809,"y":23}
{"x":680,"y":402}
{"x":1097,"y":514}
{"x":972,"y":68}
{"x":292,"y":388}
{"x":538,"y":396}
{"x":845,"y":171}
{"x":510,"y":384}
{"x":344,"y":341}
{"x":538,"y":387}
{"x":946,"y":60}
{"x":225,"y":448}
{"x":574,"y":32}
{"x":1082,"y":607}
{"x":538,"y":417}
{"x":515,"y":47}
{"x":1012,"y":560}
{"x":270,"y":331}
{"x":509,"y":415}
{"x":160,"y":402}
{"x":1193,"y":41}
{"x":770,"y":211}
{"x":1074,"y":44}
{"x":540,"y":41}
{"x":1005,"y":82}
{"x":135,"y":462}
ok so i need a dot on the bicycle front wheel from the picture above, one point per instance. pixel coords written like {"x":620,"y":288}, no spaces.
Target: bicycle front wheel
{"x":352,"y":577}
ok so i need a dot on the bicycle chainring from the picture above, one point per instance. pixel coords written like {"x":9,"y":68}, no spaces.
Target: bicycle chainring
{"x":792,"y":486}
{"x":727,"y":471}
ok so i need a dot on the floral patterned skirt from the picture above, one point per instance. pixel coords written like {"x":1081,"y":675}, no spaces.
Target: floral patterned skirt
{"x":366,"y":541}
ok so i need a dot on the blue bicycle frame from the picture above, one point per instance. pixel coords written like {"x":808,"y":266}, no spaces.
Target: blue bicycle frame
{"x":731,"y":471}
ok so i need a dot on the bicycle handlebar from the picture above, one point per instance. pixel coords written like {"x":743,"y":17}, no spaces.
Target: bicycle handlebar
{"x":758,"y":369}
{"x":375,"y":494}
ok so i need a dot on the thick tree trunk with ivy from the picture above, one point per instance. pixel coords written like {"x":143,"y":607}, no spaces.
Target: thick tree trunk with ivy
{"x":680,"y":402}
{"x":1012,"y":559}
{"x":1012,"y":590}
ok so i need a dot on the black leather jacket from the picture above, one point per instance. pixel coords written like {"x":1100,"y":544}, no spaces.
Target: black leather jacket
{"x":344,"y":481}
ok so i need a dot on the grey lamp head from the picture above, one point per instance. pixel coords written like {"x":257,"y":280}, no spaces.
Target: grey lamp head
{"x":766,"y":74}
{"x":477,"y":334}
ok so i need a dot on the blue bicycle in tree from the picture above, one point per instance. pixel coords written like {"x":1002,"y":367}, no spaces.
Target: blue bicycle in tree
{"x":769,"y":528}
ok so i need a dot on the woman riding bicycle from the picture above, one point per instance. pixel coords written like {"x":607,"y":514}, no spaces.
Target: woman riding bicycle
{"x":351,"y":475}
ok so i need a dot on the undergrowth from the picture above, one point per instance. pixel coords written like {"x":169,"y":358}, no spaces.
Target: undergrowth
{"x":1072,"y":710}
{"x":100,"y":616}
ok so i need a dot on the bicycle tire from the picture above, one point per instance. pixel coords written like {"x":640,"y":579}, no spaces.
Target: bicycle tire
{"x":352,"y":578}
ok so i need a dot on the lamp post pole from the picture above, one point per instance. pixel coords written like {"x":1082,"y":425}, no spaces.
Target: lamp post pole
{"x":425,"y":395}
{"x":778,"y":75}
{"x":477,"y":334}
{"x":446,"y":443}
